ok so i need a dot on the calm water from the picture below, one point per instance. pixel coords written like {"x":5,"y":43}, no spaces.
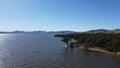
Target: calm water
{"x":46,"y":51}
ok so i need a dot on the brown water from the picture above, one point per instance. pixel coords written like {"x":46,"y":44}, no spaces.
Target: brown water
{"x":46,"y":51}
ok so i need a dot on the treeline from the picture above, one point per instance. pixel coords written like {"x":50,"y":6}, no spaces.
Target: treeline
{"x":110,"y":42}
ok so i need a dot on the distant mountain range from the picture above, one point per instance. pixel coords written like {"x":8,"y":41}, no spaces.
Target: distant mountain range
{"x":37,"y":32}
{"x":104,"y":31}
{"x":62,"y":32}
{"x":22,"y":32}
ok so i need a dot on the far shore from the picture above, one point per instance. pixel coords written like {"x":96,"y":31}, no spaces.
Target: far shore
{"x":97,"y":49}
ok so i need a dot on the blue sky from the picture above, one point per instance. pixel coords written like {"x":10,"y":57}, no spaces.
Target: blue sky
{"x":55,"y":15}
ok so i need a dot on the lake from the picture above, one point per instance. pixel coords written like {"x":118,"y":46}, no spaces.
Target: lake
{"x":46,"y":51}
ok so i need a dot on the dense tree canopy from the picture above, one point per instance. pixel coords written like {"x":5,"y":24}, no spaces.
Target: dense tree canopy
{"x":110,"y":42}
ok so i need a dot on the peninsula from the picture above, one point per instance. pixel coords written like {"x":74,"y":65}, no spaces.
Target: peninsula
{"x":107,"y":41}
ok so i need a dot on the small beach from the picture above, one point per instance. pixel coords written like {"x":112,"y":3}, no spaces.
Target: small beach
{"x":97,"y":49}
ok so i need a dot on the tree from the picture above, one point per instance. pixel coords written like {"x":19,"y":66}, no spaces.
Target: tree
{"x":66,"y":40}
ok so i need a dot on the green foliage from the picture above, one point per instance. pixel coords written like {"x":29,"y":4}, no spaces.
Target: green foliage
{"x":110,"y":42}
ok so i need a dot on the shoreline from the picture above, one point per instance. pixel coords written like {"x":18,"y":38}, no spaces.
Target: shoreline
{"x":97,"y":49}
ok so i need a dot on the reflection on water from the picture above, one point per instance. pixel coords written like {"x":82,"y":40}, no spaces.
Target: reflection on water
{"x":46,"y":51}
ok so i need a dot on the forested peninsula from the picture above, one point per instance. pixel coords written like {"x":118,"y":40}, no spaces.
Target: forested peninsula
{"x":107,"y":41}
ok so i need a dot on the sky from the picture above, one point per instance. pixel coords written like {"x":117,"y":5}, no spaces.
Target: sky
{"x":58,"y":15}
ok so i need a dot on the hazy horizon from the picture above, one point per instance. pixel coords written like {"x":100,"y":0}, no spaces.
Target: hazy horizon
{"x":59,"y":15}
{"x":55,"y":30}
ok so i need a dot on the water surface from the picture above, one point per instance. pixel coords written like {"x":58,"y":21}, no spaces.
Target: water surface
{"x":46,"y":51}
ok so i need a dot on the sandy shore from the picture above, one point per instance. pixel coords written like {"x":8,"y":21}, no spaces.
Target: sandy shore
{"x":97,"y":49}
